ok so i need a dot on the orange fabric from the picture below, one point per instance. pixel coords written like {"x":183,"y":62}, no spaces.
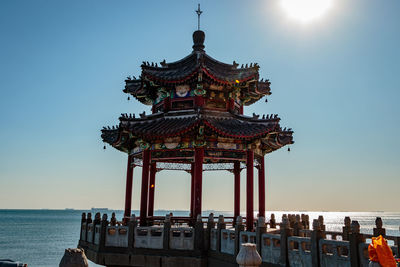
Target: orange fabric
{"x":379,"y":251}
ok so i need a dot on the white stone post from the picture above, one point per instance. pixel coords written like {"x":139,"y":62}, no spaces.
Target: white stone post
{"x":248,"y":256}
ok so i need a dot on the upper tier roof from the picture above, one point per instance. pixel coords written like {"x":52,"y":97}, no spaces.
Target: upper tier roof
{"x":182,"y":70}
{"x":198,"y":67}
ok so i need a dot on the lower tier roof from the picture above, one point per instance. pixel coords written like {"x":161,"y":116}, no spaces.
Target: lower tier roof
{"x":221,"y":124}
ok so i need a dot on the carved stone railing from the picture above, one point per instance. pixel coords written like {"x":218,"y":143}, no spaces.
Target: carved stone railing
{"x":181,"y":238}
{"x":334,"y":253}
{"x":290,"y":243}
{"x":116,"y":236}
{"x":228,"y":238}
{"x":271,"y":248}
{"x":247,"y":237}
{"x":299,"y":251}
{"x":149,"y":237}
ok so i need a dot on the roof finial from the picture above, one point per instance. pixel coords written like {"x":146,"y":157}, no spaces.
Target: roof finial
{"x":198,"y":11}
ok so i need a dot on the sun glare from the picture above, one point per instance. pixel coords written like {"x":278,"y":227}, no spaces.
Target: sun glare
{"x":306,"y":10}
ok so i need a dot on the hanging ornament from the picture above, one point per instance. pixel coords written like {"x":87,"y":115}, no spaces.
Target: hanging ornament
{"x":129,"y":98}
{"x":104,"y":147}
{"x":288,"y":149}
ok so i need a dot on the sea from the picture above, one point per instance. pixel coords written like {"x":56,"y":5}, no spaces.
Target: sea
{"x":39,"y":237}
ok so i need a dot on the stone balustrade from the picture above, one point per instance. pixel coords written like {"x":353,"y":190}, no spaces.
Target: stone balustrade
{"x":271,"y":248}
{"x":290,"y":243}
{"x":181,"y":238}
{"x":334,"y":253}
{"x":149,"y":237}
{"x":228,"y":241}
{"x":116,"y":236}
{"x":299,"y":251}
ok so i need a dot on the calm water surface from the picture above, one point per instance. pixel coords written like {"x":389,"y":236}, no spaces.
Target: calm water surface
{"x":39,"y":237}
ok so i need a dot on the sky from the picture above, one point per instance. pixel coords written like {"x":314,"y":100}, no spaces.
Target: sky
{"x":335,"y":81}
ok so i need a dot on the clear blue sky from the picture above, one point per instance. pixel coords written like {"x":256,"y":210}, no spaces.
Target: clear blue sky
{"x":335,"y":81}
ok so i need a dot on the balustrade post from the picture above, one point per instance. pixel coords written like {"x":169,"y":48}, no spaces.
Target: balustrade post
{"x":321,"y":223}
{"x":379,"y":230}
{"x":346,"y":228}
{"x":307,"y":221}
{"x":83,"y":221}
{"x":199,"y":234}
{"x":220,"y":225}
{"x":167,"y":228}
{"x":316,"y":234}
{"x":103,"y":232}
{"x":303,"y":220}
{"x":292,"y":219}
{"x":239,"y":227}
{"x":297,"y":227}
{"x":132,"y":230}
{"x":260,"y":230}
{"x":88,"y":221}
{"x":97,"y":220}
{"x":355,"y":238}
{"x":210,"y":225}
{"x":272,"y":221}
{"x":286,"y":231}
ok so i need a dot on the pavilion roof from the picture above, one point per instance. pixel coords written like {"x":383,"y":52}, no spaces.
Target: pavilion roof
{"x":161,"y":125}
{"x":188,"y":69}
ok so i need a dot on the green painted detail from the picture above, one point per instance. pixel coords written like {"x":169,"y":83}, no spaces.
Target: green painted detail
{"x":199,"y":91}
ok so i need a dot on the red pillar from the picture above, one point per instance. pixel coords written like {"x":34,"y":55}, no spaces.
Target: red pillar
{"x":198,"y":178}
{"x":192,"y":191}
{"x":152,"y":187}
{"x":236,"y":171}
{"x":261,"y":188}
{"x":128,"y":189}
{"x":145,"y":187}
{"x":249,"y":191}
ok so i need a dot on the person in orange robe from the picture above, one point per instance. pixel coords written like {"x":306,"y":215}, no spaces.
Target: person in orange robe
{"x":379,"y":251}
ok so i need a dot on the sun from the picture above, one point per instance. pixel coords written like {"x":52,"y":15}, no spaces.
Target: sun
{"x":306,"y":10}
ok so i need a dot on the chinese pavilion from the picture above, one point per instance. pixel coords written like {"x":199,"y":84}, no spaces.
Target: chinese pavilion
{"x":197,"y":124}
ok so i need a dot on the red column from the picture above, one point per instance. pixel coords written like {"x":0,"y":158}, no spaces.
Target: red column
{"x":145,"y":187}
{"x":192,"y":191}
{"x":152,"y":187}
{"x":249,"y":191}
{"x":236,"y":171}
{"x":128,"y":189}
{"x":198,"y":178}
{"x":261,"y":188}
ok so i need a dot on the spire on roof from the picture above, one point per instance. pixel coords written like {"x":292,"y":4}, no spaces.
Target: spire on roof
{"x":198,"y":36}
{"x":198,"y":11}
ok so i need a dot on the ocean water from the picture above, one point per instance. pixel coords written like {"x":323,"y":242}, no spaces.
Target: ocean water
{"x":39,"y":237}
